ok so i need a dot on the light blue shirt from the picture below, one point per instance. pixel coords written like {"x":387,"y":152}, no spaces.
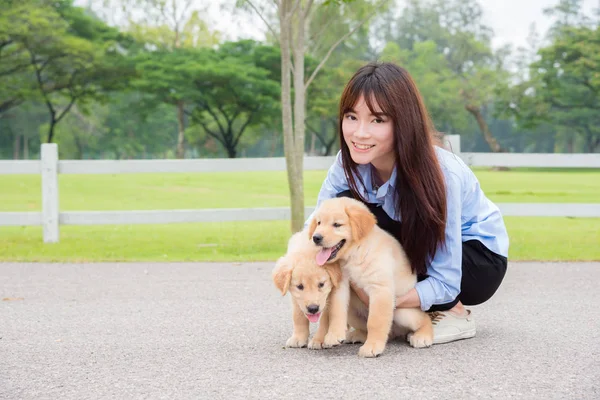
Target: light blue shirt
{"x":471,"y":215}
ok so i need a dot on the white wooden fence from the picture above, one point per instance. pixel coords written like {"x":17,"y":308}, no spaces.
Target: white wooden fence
{"x":50,"y":166}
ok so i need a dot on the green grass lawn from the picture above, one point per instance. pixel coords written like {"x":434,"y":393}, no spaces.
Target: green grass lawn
{"x":263,"y":189}
{"x":550,"y":239}
{"x":531,"y":238}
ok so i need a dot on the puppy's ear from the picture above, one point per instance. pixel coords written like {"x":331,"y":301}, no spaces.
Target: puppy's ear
{"x":335,"y":273}
{"x":282,"y":275}
{"x":362,"y":221}
{"x":312,"y":227}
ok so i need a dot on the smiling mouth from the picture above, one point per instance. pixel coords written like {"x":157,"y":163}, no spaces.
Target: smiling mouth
{"x":329,"y":253}
{"x":363,"y":146}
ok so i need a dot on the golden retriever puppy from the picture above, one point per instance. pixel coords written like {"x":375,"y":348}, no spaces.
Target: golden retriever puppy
{"x":310,"y":286}
{"x":346,"y":232}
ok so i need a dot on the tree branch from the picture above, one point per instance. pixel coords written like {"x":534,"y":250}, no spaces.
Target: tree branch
{"x":71,"y":102}
{"x":211,"y":133}
{"x":307,"y":9}
{"x":336,"y":44}
{"x":38,"y":75}
{"x":314,"y":131}
{"x":237,"y":139}
{"x":275,"y":35}
{"x":215,"y":117}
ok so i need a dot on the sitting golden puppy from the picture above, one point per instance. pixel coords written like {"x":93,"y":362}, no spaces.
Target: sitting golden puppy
{"x":346,"y":231}
{"x":310,"y":286}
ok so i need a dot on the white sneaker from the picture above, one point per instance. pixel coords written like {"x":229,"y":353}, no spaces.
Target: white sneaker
{"x":448,"y":327}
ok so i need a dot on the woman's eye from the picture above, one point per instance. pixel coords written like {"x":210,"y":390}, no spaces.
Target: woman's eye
{"x":336,"y":225}
{"x":300,"y":287}
{"x":351,"y":117}
{"x":321,"y":284}
{"x":379,"y":121}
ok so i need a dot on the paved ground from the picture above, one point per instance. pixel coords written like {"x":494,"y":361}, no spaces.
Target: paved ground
{"x":216,"y":331}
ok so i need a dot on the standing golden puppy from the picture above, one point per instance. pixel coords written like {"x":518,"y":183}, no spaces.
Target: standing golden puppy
{"x":310,"y":286}
{"x":346,"y":231}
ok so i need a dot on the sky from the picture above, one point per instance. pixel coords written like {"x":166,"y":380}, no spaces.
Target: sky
{"x":510,"y":19}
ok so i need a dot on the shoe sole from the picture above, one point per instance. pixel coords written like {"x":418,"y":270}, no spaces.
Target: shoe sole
{"x":452,"y":338}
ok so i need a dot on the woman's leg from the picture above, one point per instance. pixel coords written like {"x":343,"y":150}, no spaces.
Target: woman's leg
{"x":482,"y":274}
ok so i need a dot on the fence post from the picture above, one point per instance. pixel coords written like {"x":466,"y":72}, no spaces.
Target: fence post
{"x":50,"y":192}
{"x":452,"y":143}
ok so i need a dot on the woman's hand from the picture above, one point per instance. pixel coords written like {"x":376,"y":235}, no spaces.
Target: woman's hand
{"x":409,"y":300}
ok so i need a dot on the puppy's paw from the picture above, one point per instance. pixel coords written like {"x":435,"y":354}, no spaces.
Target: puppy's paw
{"x":316,"y":344}
{"x":296,"y":341}
{"x":356,"y":336}
{"x":371,"y":349}
{"x":419,"y":340}
{"x":332,"y":339}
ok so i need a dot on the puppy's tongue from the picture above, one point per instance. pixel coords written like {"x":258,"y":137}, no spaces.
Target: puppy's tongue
{"x":324,"y":255}
{"x":314,"y":318}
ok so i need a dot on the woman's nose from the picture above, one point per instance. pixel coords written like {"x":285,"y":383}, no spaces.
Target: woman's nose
{"x":361,"y":131}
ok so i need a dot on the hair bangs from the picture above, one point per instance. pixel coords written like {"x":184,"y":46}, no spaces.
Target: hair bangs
{"x":370,"y":88}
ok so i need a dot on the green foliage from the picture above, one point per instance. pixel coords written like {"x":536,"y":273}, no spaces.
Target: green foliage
{"x":72,"y":57}
{"x":562,"y":88}
{"x":438,"y":85}
{"x":106,"y":92}
{"x":226,"y":90}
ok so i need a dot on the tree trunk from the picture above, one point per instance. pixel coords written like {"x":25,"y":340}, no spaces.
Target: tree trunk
{"x":299,"y":124}
{"x":25,"y":148}
{"x":273,"y":146}
{"x":571,"y":144}
{"x":289,"y":144}
{"x":52,"y":125}
{"x":180,"y":153}
{"x":487,"y":134}
{"x":230,"y":148}
{"x":79,"y":146}
{"x":17,"y":146}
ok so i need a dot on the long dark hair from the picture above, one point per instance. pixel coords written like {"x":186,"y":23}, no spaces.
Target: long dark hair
{"x":420,"y":188}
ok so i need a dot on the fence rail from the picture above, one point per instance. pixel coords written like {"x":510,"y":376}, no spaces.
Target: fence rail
{"x":510,"y":160}
{"x":50,"y":166}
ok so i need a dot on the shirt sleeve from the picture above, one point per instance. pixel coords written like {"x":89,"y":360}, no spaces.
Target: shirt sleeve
{"x":445,"y":270}
{"x":334,"y":183}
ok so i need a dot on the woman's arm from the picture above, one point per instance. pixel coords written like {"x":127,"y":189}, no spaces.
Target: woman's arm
{"x":409,"y":300}
{"x":445,"y":272}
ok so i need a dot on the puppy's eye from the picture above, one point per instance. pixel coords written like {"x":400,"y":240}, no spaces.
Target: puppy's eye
{"x":300,"y":287}
{"x":318,"y":222}
{"x":321,"y":284}
{"x":336,"y":225}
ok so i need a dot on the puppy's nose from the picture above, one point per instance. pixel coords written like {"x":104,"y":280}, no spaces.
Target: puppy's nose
{"x":317,"y":238}
{"x":313,"y":308}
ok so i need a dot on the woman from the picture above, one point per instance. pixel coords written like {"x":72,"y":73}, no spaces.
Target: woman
{"x":422,"y":194}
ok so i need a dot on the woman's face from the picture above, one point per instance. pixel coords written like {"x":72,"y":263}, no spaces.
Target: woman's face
{"x":370,"y":137}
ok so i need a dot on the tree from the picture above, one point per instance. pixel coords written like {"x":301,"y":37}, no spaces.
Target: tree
{"x":561,"y":89}
{"x":568,"y":84}
{"x":72,"y":56}
{"x":168,"y":25}
{"x":457,"y":29}
{"x":437,"y":83}
{"x":323,"y":103}
{"x":294,"y":21}
{"x":231,"y":95}
{"x":16,"y":84}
